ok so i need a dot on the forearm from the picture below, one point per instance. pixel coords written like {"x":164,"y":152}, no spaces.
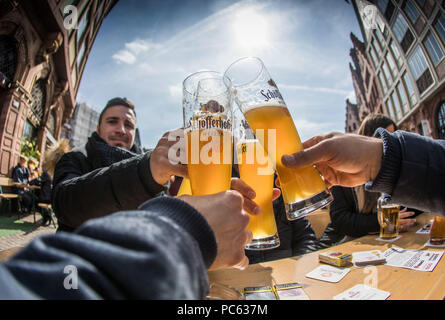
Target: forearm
{"x":122,"y":186}
{"x":161,"y":252}
{"x":415,"y":171}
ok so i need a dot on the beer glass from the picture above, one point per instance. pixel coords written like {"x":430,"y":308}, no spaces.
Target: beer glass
{"x":207,"y":110}
{"x":388,"y":216}
{"x":437,"y":233}
{"x":259,"y":99}
{"x":256,"y":170}
{"x":185,"y":188}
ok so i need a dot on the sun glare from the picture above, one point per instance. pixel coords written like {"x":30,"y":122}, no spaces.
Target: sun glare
{"x":251,"y":29}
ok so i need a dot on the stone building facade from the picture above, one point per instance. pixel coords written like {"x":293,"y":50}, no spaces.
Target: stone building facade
{"x":44,"y":46}
{"x":404,"y":49}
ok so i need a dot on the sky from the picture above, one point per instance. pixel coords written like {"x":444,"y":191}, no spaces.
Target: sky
{"x":146,"y":48}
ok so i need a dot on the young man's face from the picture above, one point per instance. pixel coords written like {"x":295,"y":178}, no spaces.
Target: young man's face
{"x":118,"y":126}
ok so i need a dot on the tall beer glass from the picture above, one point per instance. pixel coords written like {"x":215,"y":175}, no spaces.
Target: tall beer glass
{"x":259,"y":99}
{"x":207,"y":108}
{"x":256,"y":170}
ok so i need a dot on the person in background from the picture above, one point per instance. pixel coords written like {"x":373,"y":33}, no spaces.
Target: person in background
{"x":33,"y":168}
{"x":20,"y":175}
{"x":52,"y":156}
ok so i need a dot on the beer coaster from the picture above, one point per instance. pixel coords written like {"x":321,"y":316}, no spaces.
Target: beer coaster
{"x":429,"y":244}
{"x":389,"y":240}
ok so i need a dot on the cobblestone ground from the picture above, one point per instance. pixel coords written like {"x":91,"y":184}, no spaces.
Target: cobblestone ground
{"x":23,"y":238}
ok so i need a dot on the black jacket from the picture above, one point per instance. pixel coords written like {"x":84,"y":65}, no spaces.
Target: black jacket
{"x":98,"y":181}
{"x":412,"y":171}
{"x":159,"y":252}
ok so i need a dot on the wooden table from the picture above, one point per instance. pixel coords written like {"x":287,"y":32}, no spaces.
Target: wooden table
{"x":403,"y":284}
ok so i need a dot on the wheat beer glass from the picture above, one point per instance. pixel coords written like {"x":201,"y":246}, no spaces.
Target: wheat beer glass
{"x":388,"y":216}
{"x":207,"y":108}
{"x":256,"y":170}
{"x":260,"y":101}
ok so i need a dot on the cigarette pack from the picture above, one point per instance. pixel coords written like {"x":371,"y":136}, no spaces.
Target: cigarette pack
{"x":335,"y":258}
{"x":259,"y":293}
{"x":364,"y":258}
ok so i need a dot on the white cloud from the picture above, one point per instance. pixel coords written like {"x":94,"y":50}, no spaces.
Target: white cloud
{"x":351,"y":97}
{"x":175,"y":92}
{"x":133,"y":50}
{"x":124,"y":56}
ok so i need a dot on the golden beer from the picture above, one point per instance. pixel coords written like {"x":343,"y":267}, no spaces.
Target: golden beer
{"x":185,"y":188}
{"x":209,"y":155}
{"x":296,"y":184}
{"x":389,"y":221}
{"x":437,"y":233}
{"x":259,"y":175}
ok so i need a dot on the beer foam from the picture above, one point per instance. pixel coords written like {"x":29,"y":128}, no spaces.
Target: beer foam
{"x":266,"y":104}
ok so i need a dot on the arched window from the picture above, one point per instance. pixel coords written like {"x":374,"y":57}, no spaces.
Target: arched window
{"x":39,"y":99}
{"x":441,"y":121}
{"x":8,"y":57}
{"x":52,"y":122}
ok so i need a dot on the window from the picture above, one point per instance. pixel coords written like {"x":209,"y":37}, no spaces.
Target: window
{"x":391,"y":63}
{"x":403,"y":98}
{"x":386,"y":73}
{"x":409,"y":89}
{"x":373,"y":57}
{"x":396,"y":104}
{"x":380,"y":38}
{"x":82,"y":26}
{"x":440,"y":27}
{"x":433,"y":48}
{"x":382,"y":5}
{"x":389,"y":108}
{"x":421,"y":3}
{"x":396,"y":53}
{"x":441,"y":121}
{"x":80,"y":56}
{"x":382,"y":82}
{"x":400,"y":27}
{"x":411,"y":11}
{"x":417,"y":63}
{"x":376,"y":47}
{"x":38,"y":93}
{"x":8,"y":57}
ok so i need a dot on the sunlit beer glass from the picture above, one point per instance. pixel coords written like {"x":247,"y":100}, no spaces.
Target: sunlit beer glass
{"x":256,"y":170}
{"x":258,"y":97}
{"x":388,"y":217}
{"x":437,"y":233}
{"x":207,"y":108}
{"x":185,"y":188}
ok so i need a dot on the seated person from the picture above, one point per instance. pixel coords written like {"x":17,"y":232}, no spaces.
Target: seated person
{"x":20,"y":175}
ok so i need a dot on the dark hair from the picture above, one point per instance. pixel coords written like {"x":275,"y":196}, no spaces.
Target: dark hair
{"x":117,"y":102}
{"x":374,"y":121}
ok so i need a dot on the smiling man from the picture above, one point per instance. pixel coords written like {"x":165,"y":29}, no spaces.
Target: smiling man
{"x":110,"y":172}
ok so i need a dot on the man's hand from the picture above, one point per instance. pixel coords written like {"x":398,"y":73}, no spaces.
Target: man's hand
{"x":224,"y":213}
{"x":249,"y":195}
{"x":165,"y":160}
{"x":347,"y":160}
{"x":404,"y":222}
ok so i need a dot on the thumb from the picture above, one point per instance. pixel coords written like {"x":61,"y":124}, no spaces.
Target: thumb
{"x":306,"y":157}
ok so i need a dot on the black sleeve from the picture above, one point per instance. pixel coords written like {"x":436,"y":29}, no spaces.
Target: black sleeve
{"x":413,"y":171}
{"x":79,"y":196}
{"x":159,"y":252}
{"x":346,"y":219}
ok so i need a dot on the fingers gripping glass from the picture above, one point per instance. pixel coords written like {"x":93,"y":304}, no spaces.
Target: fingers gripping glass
{"x":260,"y":100}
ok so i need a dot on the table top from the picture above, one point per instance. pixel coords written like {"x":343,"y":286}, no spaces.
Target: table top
{"x":403,"y":284}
